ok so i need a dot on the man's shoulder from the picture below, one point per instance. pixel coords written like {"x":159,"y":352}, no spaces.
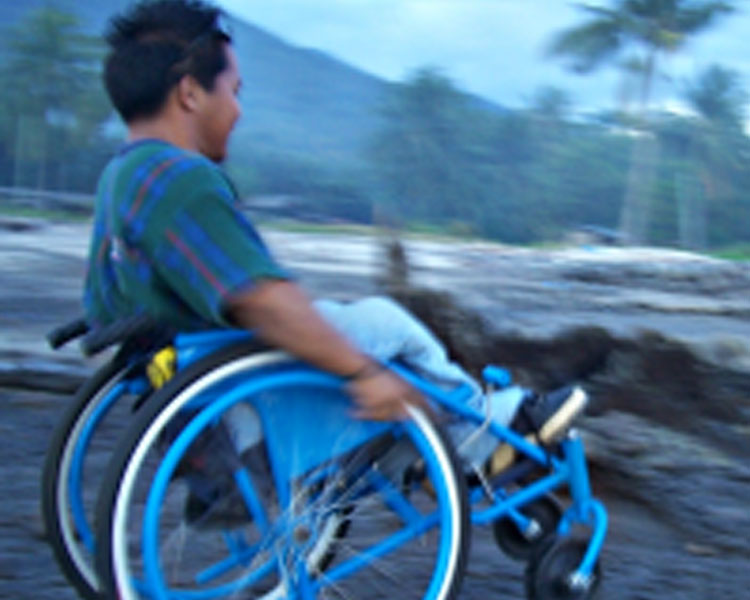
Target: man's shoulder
{"x":190,"y":174}
{"x":153,"y":179}
{"x":162,"y":160}
{"x":150,"y":161}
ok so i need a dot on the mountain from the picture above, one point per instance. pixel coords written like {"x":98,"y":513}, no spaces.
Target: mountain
{"x":303,"y":100}
{"x":294,"y":100}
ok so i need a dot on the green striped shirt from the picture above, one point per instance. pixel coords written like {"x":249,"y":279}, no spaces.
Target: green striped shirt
{"x":168,"y":240}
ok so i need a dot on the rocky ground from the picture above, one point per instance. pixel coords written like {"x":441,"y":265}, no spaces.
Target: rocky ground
{"x":660,"y":339}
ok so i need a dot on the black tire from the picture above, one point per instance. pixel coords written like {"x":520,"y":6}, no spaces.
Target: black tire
{"x":69,"y":549}
{"x":129,"y":469}
{"x":547,"y":573}
{"x":546,"y":512}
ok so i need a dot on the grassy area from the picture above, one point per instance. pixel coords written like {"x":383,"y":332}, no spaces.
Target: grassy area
{"x":416,"y":232}
{"x":328,"y":228}
{"x":43,"y":214}
{"x":740,"y":252}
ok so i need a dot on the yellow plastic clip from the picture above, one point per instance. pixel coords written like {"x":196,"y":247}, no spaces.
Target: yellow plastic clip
{"x":162,"y":367}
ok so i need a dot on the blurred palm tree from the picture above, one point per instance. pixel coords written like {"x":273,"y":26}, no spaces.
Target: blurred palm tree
{"x":716,"y":146}
{"x":425,"y":149}
{"x":717,"y":96}
{"x":634,"y":34}
{"x":51,"y":98}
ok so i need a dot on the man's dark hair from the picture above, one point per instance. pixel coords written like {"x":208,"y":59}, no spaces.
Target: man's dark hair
{"x":153,"y":45}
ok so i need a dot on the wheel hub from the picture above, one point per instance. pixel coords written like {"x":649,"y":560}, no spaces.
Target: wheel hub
{"x":301,"y":534}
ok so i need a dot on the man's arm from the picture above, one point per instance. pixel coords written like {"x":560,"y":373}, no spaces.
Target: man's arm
{"x":282,"y":315}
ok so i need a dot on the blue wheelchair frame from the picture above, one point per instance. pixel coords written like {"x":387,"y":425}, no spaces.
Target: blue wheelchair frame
{"x":330,"y":418}
{"x":134,"y":386}
{"x":567,"y":468}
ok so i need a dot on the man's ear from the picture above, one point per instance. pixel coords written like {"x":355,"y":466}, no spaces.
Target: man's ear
{"x":188,"y":92}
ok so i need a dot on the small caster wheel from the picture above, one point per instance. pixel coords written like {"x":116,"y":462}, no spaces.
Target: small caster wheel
{"x":550,"y":570}
{"x":545,"y":514}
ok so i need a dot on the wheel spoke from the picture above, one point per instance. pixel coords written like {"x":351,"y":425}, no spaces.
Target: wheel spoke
{"x":349,"y":525}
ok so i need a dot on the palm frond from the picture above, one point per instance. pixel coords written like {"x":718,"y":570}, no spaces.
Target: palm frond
{"x":601,"y":12}
{"x":718,"y":96}
{"x":696,"y":18}
{"x":589,"y":45}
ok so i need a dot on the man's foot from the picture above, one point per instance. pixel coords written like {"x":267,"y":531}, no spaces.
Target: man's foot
{"x":549,"y":416}
{"x":541,"y":418}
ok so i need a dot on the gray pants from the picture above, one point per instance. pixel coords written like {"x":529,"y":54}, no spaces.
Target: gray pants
{"x":381,"y":328}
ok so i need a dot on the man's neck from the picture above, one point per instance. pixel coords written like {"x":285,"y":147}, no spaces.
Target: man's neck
{"x":162,"y":128}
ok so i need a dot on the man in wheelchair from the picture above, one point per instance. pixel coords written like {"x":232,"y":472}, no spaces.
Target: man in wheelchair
{"x":169,"y":241}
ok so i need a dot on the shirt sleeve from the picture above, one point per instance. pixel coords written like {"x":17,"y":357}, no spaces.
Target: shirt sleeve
{"x":207,"y":250}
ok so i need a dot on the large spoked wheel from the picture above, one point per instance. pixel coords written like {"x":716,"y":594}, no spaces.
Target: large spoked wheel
{"x":549,"y":573}
{"x":317,"y":506}
{"x":81,"y":444}
{"x":543,"y":514}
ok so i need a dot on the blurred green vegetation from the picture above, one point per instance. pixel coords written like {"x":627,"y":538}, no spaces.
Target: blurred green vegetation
{"x":333,"y":145}
{"x":52,"y":108}
{"x":635,"y":37}
{"x":44,"y":214}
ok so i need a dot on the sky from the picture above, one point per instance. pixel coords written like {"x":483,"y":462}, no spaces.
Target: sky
{"x":493,"y":48}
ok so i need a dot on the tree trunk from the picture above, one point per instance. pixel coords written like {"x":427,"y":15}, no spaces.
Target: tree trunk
{"x":41,"y":174}
{"x":635,"y":217}
{"x":691,"y":209}
{"x":18,"y":152}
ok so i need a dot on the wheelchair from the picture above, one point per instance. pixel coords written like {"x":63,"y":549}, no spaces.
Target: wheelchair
{"x":242,"y":474}
{"x":85,"y":436}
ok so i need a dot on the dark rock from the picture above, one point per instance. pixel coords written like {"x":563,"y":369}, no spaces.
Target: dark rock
{"x":9,"y":223}
{"x":666,"y":431}
{"x":29,"y":373}
{"x":651,"y":376}
{"x":696,"y":277}
{"x":697,"y":488}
